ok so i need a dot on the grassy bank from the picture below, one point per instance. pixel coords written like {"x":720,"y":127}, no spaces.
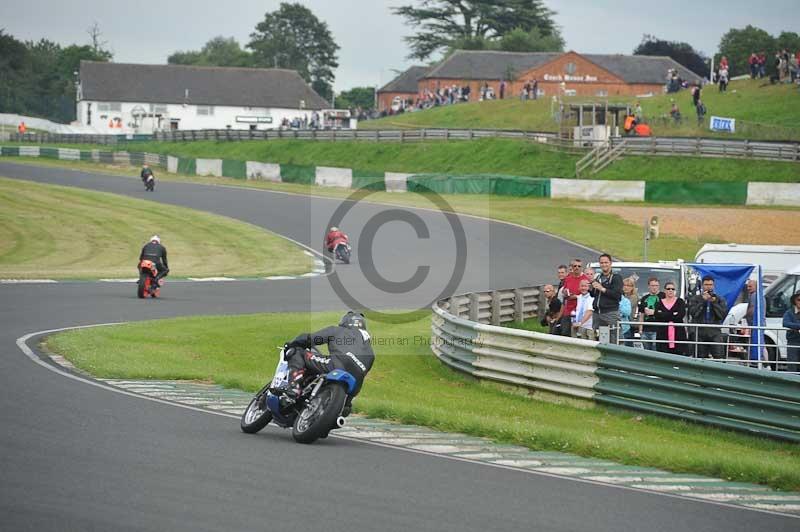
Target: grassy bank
{"x":409,"y":385}
{"x":762,"y":111}
{"x":497,"y":156}
{"x":567,"y":219}
{"x":61,"y":232}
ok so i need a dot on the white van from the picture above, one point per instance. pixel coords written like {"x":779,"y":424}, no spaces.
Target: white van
{"x":777,"y":297}
{"x":774,"y":260}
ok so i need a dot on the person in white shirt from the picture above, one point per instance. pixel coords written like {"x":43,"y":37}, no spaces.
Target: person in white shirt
{"x":582,"y":322}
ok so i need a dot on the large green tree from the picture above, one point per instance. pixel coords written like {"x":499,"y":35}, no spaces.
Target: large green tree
{"x":475,"y":24}
{"x":363,"y":97}
{"x":38,"y":78}
{"x":293,"y":37}
{"x":738,"y":44}
{"x":681,"y":52}
{"x":219,"y":51}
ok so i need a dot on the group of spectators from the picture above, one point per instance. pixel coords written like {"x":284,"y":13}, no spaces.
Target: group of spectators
{"x":584,"y":300}
{"x":787,"y":66}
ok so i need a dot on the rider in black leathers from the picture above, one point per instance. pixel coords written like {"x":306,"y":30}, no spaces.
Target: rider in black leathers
{"x":349,"y":347}
{"x":146,"y":172}
{"x":154,"y":251}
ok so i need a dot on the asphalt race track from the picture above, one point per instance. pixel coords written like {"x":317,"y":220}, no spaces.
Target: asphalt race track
{"x":77,"y":457}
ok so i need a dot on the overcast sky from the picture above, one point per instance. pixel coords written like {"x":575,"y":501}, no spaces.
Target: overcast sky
{"x":370,"y":36}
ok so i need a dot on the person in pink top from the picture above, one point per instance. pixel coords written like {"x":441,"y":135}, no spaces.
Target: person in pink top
{"x":672,"y":310}
{"x":571,"y":291}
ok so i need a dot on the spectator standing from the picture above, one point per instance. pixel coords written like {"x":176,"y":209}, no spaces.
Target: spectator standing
{"x":606,"y":291}
{"x":701,"y":112}
{"x":671,"y":309}
{"x":753,"y":62}
{"x":502,"y":89}
{"x":535,"y":89}
{"x":723,"y":78}
{"x":628,"y":308}
{"x":571,"y":289}
{"x":584,"y":313}
{"x":637,"y":113}
{"x":675,"y":112}
{"x":791,"y":320}
{"x":708,"y":308}
{"x":647,"y":311}
{"x":562,"y":274}
{"x":552,"y":315}
{"x":22,"y":128}
{"x":696,"y":94}
{"x":762,"y":64}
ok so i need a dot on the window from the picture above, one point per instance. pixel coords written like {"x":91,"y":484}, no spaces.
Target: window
{"x":105,"y":106}
{"x":158,"y":109}
{"x":602,"y":93}
{"x":570,"y":68}
{"x":205,"y":110}
{"x":778,"y":296}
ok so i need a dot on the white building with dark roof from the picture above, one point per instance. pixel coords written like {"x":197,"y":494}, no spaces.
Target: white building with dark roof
{"x":120,"y":97}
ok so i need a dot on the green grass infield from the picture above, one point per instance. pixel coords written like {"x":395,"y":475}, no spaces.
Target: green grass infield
{"x":410,"y":385}
{"x":55,"y":232}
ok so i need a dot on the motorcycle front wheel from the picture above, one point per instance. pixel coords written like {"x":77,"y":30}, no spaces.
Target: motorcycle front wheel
{"x":257,"y":415}
{"x":319,"y":415}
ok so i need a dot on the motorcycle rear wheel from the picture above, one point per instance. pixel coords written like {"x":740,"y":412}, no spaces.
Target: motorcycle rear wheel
{"x":254,"y":418}
{"x":319,"y":415}
{"x":143,"y":285}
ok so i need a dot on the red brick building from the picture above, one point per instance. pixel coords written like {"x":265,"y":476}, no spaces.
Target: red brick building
{"x":404,"y":87}
{"x":596,"y":75}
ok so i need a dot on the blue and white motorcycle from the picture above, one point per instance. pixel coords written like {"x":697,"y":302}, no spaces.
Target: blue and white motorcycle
{"x":318,"y":409}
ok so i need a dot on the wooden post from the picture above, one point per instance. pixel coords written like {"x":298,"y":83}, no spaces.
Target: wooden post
{"x":473,"y":306}
{"x":401,"y":136}
{"x":495,"y":319}
{"x":519,"y":306}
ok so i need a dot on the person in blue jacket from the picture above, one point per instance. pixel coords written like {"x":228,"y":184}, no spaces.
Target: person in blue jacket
{"x":791,"y":320}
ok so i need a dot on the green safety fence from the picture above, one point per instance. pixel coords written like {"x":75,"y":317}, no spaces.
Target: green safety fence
{"x":10,"y":151}
{"x":187,"y":166}
{"x":733,"y":397}
{"x":86,"y":155}
{"x":696,"y":192}
{"x":368,"y":180}
{"x":234,"y":169}
{"x":48,"y":153}
{"x":106,"y":157}
{"x":480,"y":184}
{"x":298,"y":173}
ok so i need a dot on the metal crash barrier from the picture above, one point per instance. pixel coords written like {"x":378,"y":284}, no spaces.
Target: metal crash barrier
{"x":467,"y":337}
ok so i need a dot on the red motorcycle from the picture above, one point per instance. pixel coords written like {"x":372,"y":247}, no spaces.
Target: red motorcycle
{"x":147,"y":285}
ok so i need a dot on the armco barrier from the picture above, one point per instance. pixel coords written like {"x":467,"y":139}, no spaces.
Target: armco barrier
{"x":696,"y":192}
{"x":741,"y":398}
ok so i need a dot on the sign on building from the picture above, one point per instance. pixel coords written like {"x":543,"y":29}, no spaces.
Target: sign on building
{"x":722,"y":124}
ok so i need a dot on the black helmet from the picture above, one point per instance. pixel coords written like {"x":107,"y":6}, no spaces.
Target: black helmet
{"x":353,"y":320}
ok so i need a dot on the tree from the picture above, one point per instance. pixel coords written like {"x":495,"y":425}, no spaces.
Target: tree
{"x":738,"y":44}
{"x":518,"y":40}
{"x":445,"y":24}
{"x":363,"y":97}
{"x":293,"y":37}
{"x":219,"y":51}
{"x":681,"y":52}
{"x":788,"y":40}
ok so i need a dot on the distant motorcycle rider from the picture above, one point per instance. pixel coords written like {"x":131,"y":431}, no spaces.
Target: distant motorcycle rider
{"x":146,"y":172}
{"x":334,"y":238}
{"x":157,"y":253}
{"x":350,"y":349}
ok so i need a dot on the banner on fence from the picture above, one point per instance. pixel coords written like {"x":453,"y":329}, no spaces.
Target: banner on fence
{"x":717,"y":123}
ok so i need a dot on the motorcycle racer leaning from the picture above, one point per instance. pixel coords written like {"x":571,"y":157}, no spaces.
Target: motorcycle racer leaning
{"x":157,"y":253}
{"x":333,"y":238}
{"x":349,"y":348}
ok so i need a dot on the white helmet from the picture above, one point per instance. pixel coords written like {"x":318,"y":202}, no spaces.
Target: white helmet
{"x":155,"y":239}
{"x":334,"y":228}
